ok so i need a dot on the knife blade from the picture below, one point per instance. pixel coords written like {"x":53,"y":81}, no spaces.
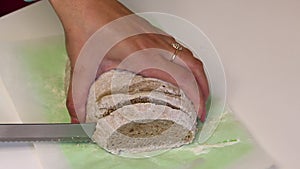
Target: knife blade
{"x":47,"y":132}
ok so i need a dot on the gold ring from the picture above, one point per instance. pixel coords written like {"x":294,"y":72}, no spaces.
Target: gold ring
{"x":177,"y":48}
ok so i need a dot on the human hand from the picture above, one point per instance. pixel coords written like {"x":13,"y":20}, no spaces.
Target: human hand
{"x":136,"y":53}
{"x":150,"y":55}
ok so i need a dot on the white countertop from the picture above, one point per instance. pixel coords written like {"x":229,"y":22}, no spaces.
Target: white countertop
{"x":258,"y":42}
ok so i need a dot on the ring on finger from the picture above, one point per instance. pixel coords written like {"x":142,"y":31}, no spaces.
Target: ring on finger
{"x":177,"y":48}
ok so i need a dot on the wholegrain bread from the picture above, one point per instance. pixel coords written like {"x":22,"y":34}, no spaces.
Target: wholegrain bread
{"x":137,"y":128}
{"x":109,"y":103}
{"x":136,"y":114}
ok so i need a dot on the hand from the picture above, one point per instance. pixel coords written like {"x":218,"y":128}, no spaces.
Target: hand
{"x":185,"y":71}
{"x":185,"y":68}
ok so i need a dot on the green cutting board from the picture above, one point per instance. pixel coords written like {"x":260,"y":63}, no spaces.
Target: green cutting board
{"x":43,"y":62}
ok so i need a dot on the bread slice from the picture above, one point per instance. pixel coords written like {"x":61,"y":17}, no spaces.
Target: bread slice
{"x":120,"y":81}
{"x":139,"y":128}
{"x":136,"y":114}
{"x":109,"y":103}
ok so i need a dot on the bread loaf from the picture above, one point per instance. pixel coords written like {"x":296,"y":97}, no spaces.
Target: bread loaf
{"x":136,"y":114}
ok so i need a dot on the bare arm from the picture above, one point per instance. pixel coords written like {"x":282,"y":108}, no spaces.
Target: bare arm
{"x":81,"y":18}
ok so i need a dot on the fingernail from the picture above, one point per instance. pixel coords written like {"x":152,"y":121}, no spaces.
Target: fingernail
{"x":74,"y":120}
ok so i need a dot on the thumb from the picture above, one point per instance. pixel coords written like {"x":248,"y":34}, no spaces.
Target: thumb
{"x":71,"y":107}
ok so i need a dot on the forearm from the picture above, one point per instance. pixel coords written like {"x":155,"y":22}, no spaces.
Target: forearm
{"x":88,"y":14}
{"x":81,"y":18}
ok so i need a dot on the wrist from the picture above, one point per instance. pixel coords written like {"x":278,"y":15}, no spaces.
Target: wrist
{"x":81,"y":18}
{"x":88,"y":16}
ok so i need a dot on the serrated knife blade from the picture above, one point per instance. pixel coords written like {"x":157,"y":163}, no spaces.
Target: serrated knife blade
{"x":52,"y":132}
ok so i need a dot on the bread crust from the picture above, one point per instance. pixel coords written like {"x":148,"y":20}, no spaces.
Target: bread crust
{"x":120,"y":99}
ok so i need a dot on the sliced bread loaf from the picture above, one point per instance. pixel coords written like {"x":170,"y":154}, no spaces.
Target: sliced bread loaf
{"x":120,"y":81}
{"x":136,"y":114}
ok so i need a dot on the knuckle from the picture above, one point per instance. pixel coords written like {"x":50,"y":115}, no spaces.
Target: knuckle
{"x":197,"y":64}
{"x":188,"y":52}
{"x":172,"y":38}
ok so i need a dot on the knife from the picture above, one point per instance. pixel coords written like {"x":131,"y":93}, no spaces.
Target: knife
{"x":47,"y":132}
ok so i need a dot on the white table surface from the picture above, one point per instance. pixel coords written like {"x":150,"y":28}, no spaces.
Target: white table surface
{"x":259,"y":44}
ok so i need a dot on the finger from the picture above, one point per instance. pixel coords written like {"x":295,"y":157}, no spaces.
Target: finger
{"x":69,"y":100}
{"x":200,"y":75}
{"x":196,"y":66}
{"x":159,"y":74}
{"x":201,"y":78}
{"x":181,"y":78}
{"x":71,"y":107}
{"x":150,"y":63}
{"x":75,"y":111}
{"x":82,"y":78}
